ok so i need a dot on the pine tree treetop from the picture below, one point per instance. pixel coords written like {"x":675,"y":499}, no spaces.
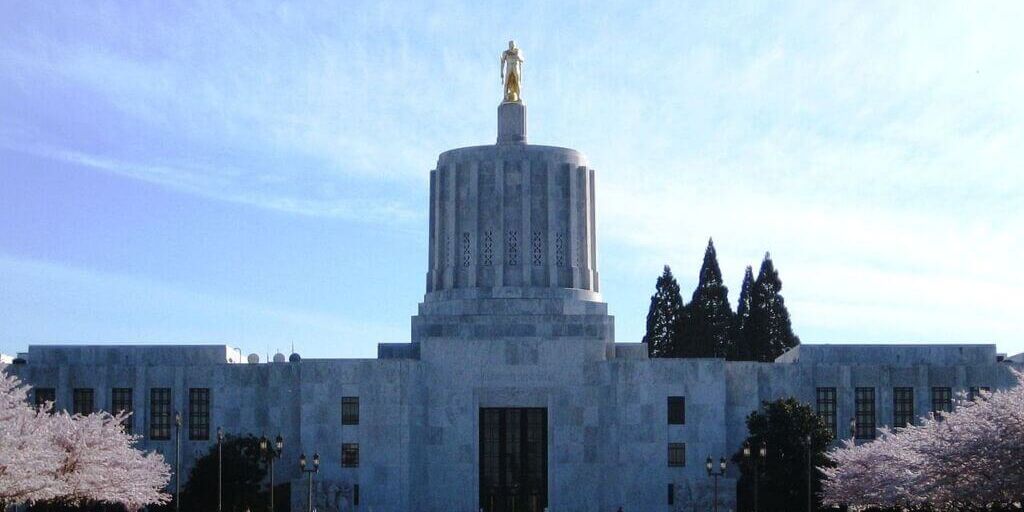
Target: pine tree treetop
{"x":768,"y":276}
{"x":710,"y":273}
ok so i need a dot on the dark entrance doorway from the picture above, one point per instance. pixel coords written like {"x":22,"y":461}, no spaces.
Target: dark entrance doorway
{"x":513,"y":459}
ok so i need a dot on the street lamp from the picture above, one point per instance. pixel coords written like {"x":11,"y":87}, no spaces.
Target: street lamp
{"x":715,"y":474}
{"x":269,"y":454}
{"x":810,"y":469}
{"x":220,"y":465}
{"x":177,"y":461}
{"x":762,"y":452}
{"x":316,"y":468}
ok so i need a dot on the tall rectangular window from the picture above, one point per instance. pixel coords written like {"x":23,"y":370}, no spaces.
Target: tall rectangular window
{"x":902,"y":407}
{"x":350,"y":455}
{"x":977,"y":392}
{"x":864,"y":407}
{"x":160,"y":414}
{"x":826,"y":398}
{"x":44,"y":395}
{"x":942,"y":399}
{"x":671,"y":494}
{"x":350,"y":410}
{"x":676,"y":454}
{"x":199,"y":414}
{"x":121,"y":401}
{"x":355,"y":495}
{"x":82,"y":401}
{"x":676,"y":410}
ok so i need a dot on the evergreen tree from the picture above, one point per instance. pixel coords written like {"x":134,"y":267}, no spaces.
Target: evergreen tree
{"x":782,"y":428}
{"x":768,"y":328}
{"x":741,"y":345}
{"x":663,"y":316}
{"x":243,"y":473}
{"x":707,"y":322}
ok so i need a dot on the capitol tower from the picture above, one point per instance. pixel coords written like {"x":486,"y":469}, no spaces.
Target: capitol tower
{"x":512,"y":245}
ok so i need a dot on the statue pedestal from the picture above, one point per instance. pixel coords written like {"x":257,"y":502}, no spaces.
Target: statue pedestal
{"x":512,"y":123}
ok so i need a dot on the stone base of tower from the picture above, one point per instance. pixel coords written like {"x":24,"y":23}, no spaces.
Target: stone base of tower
{"x":513,"y":312}
{"x":512,"y":123}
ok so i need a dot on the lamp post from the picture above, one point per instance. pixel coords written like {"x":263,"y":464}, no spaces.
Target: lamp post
{"x":810,"y":469}
{"x":762,"y":452}
{"x":177,"y":461}
{"x":220,"y":471}
{"x":316,"y":468}
{"x":269,"y":454}
{"x":715,"y":474}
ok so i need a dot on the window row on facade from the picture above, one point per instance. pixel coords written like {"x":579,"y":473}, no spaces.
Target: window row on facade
{"x":161,"y":410}
{"x":865,"y":418}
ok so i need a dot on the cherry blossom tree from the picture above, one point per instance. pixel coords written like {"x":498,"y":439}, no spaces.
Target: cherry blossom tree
{"x":69,"y":459}
{"x":969,"y":459}
{"x":100,"y":463}
{"x":29,"y":461}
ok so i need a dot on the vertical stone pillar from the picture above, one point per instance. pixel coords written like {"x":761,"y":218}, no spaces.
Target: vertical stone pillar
{"x":526,"y":233}
{"x":499,"y":223}
{"x":472,"y":220}
{"x":450,"y":207}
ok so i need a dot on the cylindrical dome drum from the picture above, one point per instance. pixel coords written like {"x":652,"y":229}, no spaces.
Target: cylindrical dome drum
{"x":512,"y":216}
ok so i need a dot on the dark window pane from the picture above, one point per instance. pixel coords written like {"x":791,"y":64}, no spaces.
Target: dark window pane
{"x":121,"y":401}
{"x":350,"y":410}
{"x":82,"y":401}
{"x":864,"y":405}
{"x":350,"y":455}
{"x":942,"y":399}
{"x":160,"y":414}
{"x":199,"y":414}
{"x":355,"y":495}
{"x":676,"y":454}
{"x":826,"y":398}
{"x":902,"y":407}
{"x":676,"y":410}
{"x":44,"y":395}
{"x":671,"y":494}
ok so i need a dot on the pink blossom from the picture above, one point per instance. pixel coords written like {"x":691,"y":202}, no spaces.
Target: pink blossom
{"x":971,"y":457}
{"x":72,"y":459}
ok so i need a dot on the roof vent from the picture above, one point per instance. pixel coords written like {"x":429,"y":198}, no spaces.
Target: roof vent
{"x":254,"y":358}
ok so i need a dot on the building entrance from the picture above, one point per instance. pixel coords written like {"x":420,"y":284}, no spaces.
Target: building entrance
{"x":513,"y":459}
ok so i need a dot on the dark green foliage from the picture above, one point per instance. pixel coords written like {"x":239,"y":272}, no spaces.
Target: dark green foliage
{"x":782,"y":426}
{"x":662,"y":317}
{"x":768,"y":332}
{"x":243,"y":473}
{"x":760,"y":330}
{"x":742,"y":345}
{"x":706,"y":325}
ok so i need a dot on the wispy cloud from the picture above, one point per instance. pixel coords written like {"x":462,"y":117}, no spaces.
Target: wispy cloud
{"x":243,"y":187}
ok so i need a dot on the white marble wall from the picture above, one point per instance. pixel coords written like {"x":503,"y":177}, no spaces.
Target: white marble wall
{"x":418,"y":430}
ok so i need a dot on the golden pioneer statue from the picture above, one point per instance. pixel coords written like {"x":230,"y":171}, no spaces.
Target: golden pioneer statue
{"x":512,"y":73}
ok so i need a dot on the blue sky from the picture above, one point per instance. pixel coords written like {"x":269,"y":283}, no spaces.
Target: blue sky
{"x":256,"y":174}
